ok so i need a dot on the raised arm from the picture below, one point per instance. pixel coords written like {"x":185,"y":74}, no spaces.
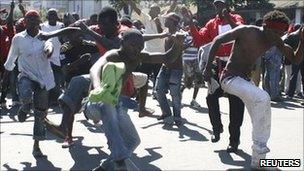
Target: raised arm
{"x":10,"y":18}
{"x":133,"y":6}
{"x":21,"y":8}
{"x":172,"y":7}
{"x":223,"y":38}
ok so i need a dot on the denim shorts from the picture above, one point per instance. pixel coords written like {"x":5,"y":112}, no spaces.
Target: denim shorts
{"x":30,"y":91}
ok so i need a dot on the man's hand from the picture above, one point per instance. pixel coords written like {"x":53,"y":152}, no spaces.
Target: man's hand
{"x":166,"y":34}
{"x":43,"y":36}
{"x":12,"y":5}
{"x":189,"y":16}
{"x":48,"y":51}
{"x":226,"y":15}
{"x":178,"y":38}
{"x":207,"y":74}
{"x":83,"y":26}
{"x":21,"y":7}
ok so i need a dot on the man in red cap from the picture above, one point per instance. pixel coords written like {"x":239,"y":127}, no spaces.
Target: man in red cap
{"x":36,"y":76}
{"x":251,"y":42}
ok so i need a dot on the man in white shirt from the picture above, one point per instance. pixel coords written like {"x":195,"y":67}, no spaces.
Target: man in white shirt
{"x":36,"y":76}
{"x":52,"y":24}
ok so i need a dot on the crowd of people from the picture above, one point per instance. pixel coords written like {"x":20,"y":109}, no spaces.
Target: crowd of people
{"x":102,"y":65}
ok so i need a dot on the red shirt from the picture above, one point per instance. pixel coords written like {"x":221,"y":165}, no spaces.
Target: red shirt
{"x":102,"y":50}
{"x":210,"y":31}
{"x":6,"y":37}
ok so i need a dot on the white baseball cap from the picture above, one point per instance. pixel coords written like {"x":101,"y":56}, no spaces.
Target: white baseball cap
{"x":223,"y":1}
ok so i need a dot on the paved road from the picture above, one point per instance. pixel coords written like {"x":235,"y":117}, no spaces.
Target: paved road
{"x":163,"y":145}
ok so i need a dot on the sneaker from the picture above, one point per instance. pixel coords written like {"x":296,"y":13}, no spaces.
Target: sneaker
{"x":37,"y":152}
{"x":68,"y":142}
{"x":232,"y":148}
{"x":300,"y":95}
{"x":195,"y":104}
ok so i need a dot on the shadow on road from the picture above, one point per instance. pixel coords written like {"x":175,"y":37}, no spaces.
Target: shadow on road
{"x":183,"y":130}
{"x":227,"y":159}
{"x":82,"y":157}
{"x":185,"y":134}
{"x":144,"y":162}
{"x":8,"y":168}
{"x":286,"y":105}
{"x":91,"y":127}
{"x":11,"y":113}
{"x":41,"y":164}
{"x":203,"y":110}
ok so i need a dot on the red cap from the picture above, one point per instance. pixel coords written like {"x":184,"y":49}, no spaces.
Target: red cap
{"x":32,"y":13}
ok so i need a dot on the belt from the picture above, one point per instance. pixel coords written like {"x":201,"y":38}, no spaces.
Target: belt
{"x":223,"y":58}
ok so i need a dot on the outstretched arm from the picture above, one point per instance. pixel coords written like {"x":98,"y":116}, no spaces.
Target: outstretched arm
{"x":108,"y":44}
{"x":60,"y":32}
{"x":168,"y":57}
{"x":148,"y":37}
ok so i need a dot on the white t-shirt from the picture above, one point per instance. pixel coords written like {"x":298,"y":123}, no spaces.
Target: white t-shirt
{"x":55,"y":59}
{"x":155,"y":45}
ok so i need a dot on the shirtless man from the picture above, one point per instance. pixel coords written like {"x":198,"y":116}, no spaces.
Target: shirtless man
{"x":119,"y":130}
{"x":250,"y":43}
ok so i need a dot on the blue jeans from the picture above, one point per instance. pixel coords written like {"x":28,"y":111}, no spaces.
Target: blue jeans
{"x":169,"y":79}
{"x":31,"y":91}
{"x":293,"y":79}
{"x":77,"y":90}
{"x":120,"y":132}
{"x":273,"y":62}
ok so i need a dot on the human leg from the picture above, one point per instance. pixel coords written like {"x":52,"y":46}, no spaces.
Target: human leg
{"x":257,"y":102}
{"x":162,"y":85}
{"x":236,"y":114}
